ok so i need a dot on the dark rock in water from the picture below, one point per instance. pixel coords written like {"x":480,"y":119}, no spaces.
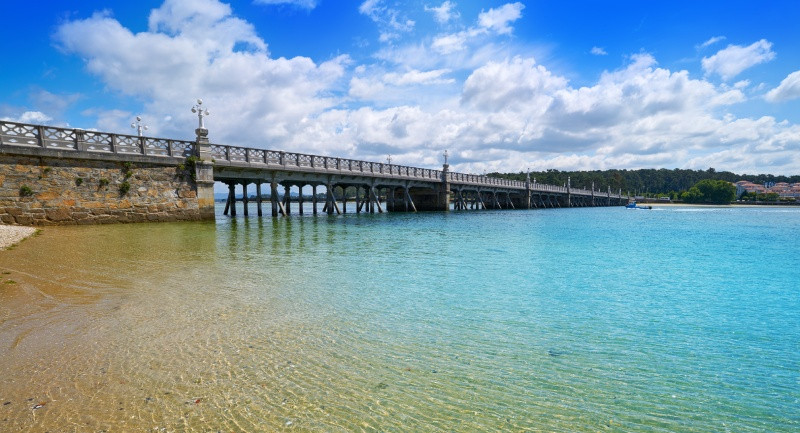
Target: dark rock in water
{"x":555,"y":353}
{"x":382,"y":385}
{"x":6,"y":403}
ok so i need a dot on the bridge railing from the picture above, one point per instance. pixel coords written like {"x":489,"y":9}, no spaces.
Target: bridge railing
{"x":289,"y":160}
{"x":80,"y":140}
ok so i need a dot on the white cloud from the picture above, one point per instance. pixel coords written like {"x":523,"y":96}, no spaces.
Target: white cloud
{"x":478,"y":95}
{"x":711,"y":41}
{"x":418,"y":77}
{"x":499,"y":19}
{"x":306,"y":4}
{"x":444,"y":12}
{"x":597,"y":51}
{"x":788,"y":89}
{"x":446,"y":44}
{"x":510,"y":84}
{"x":36,"y":117}
{"x":390,"y":21}
{"x":493,"y":21}
{"x":196,"y":44}
{"x":729,"y":62}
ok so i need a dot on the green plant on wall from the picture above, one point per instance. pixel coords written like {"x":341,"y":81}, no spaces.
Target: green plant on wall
{"x":45,"y":172}
{"x":78,"y":181}
{"x":25,"y":191}
{"x":103,"y":182}
{"x":124,"y":187}
{"x":127,"y":170}
{"x":189,"y":167}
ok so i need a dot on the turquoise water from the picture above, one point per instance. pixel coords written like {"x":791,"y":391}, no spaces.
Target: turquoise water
{"x":597,"y":319}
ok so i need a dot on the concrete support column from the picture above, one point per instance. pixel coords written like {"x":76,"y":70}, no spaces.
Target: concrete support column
{"x":273,"y":197}
{"x":329,"y":199}
{"x":344,"y":199}
{"x":258,"y":197}
{"x":244,"y":198}
{"x":287,"y":199}
{"x":231,"y":203}
{"x":300,"y":200}
{"x":314,"y":199}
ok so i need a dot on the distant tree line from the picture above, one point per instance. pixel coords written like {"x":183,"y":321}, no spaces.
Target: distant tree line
{"x":644,"y":182}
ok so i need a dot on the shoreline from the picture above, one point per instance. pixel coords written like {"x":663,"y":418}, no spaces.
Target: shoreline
{"x":12,"y":235}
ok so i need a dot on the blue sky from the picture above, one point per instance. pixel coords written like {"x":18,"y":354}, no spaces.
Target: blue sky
{"x":501,"y":85}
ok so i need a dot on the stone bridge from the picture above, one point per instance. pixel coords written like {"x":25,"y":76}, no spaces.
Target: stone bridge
{"x":54,"y":175}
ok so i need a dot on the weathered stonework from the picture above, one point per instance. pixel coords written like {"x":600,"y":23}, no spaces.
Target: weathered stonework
{"x":37,"y":190}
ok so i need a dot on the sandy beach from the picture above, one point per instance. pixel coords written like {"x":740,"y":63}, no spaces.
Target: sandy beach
{"x":10,"y":235}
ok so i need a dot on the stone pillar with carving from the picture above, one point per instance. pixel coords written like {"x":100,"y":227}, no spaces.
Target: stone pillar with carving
{"x":204,"y":175}
{"x":444,"y":191}
{"x":526,"y":200}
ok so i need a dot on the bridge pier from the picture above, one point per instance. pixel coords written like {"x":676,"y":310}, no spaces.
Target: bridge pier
{"x":244,"y":198}
{"x":300,"y":200}
{"x":314,"y":199}
{"x":273,"y":197}
{"x":258,"y":198}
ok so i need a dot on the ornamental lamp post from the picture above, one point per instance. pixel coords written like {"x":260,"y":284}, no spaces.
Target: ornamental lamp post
{"x":138,"y":126}
{"x":200,"y":113}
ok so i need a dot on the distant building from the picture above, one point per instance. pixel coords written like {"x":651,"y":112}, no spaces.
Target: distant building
{"x":783,"y":189}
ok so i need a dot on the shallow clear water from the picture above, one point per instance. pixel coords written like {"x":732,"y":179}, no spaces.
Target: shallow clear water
{"x":603,"y":319}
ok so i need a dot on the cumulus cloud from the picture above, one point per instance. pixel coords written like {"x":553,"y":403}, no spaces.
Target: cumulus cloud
{"x":499,"y":19}
{"x":788,"y":89}
{"x":491,"y":104}
{"x":444,"y":12}
{"x":493,"y":21}
{"x":597,"y":51}
{"x":197,"y":44}
{"x":36,"y":117}
{"x":729,"y":62}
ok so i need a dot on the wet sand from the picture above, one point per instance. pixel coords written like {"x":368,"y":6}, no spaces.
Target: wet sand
{"x":10,"y":235}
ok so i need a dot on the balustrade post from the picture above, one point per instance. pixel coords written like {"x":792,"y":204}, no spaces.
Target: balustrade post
{"x":282,"y":158}
{"x":40,"y":130}
{"x":80,"y":140}
{"x":114,"y":143}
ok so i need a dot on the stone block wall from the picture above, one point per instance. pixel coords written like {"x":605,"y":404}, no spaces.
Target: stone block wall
{"x":37,"y":190}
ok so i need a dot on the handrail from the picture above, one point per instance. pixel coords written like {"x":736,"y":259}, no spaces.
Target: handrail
{"x":79,"y":140}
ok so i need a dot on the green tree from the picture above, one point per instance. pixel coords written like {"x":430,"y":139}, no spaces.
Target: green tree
{"x":711,"y":192}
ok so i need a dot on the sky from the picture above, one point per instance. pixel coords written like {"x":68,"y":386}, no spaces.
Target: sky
{"x":502,"y":86}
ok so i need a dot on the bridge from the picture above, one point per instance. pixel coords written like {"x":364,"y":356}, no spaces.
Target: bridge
{"x":377,"y":186}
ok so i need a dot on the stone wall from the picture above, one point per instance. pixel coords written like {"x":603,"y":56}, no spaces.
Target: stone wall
{"x":36,"y":190}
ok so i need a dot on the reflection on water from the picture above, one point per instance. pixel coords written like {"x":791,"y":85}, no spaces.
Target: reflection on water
{"x":435,"y":322}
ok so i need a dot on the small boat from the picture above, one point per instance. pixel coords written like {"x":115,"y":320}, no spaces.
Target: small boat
{"x":633,"y":205}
